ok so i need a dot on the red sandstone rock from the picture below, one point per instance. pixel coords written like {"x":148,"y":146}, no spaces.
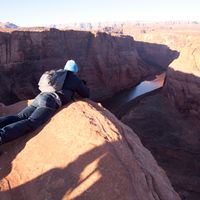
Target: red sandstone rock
{"x":172,"y":138}
{"x":14,"y":108}
{"x":183,"y":90}
{"x":186,"y":41}
{"x":83,"y":152}
{"x":108,"y":64}
{"x":168,"y":124}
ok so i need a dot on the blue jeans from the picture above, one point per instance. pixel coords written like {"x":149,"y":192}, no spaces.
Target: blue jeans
{"x":29,"y":119}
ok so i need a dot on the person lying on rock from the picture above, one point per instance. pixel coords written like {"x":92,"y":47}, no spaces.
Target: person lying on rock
{"x":57,"y":89}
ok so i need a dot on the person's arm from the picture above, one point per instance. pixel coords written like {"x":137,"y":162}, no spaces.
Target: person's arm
{"x":83,"y":90}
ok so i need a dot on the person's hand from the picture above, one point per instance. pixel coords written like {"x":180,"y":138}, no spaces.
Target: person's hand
{"x":84,"y":81}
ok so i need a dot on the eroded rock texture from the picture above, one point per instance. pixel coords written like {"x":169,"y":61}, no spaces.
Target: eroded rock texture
{"x":83,"y":152}
{"x":108,"y":63}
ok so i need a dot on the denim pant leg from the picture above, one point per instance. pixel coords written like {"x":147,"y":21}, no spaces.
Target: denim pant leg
{"x":8,"y":120}
{"x":25,"y":113}
{"x":22,"y":127}
{"x":40,"y":115}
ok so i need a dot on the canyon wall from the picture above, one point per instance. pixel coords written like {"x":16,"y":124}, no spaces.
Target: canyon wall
{"x":183,"y":90}
{"x":184,"y":38}
{"x":167,"y":121}
{"x":183,"y":82}
{"x":183,"y":77}
{"x":108,"y":63}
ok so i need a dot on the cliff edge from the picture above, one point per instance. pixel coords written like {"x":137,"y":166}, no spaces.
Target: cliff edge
{"x":83,"y":152}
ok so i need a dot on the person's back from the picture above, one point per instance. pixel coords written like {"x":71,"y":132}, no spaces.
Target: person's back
{"x":72,"y":85}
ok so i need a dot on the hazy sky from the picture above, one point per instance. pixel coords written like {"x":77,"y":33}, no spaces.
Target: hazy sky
{"x":46,"y":12}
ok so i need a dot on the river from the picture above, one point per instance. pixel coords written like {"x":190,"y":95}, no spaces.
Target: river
{"x":126,"y":96}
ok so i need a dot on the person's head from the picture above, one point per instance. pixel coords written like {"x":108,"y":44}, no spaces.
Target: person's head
{"x":71,"y":66}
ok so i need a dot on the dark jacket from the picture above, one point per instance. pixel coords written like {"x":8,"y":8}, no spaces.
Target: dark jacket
{"x":73,"y":84}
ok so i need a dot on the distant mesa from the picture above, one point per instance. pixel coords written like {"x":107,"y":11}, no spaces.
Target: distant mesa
{"x":8,"y":25}
{"x":112,"y":27}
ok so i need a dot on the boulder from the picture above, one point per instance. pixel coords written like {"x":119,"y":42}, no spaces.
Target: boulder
{"x":83,"y":152}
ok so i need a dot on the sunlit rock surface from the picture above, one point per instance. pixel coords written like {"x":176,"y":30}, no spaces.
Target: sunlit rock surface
{"x":83,"y":152}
